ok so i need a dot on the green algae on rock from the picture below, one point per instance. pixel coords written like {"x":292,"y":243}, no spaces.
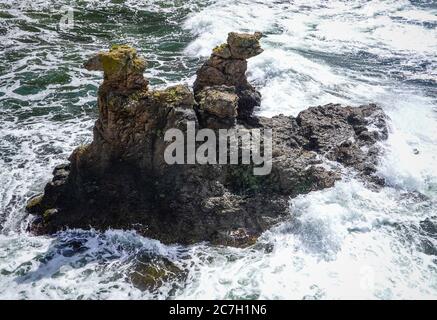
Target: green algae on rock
{"x":122,"y":67}
{"x":151,"y":274}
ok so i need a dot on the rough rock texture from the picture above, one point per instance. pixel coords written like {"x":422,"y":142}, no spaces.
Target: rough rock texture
{"x":217,"y":107}
{"x":121,"y":179}
{"x":227,"y":66}
{"x":123,"y":68}
{"x":149,"y":274}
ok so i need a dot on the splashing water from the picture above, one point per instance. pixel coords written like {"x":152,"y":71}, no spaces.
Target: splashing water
{"x":344,"y":242}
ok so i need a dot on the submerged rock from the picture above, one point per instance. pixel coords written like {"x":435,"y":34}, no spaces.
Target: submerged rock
{"x":151,"y":274}
{"x":121,"y":180}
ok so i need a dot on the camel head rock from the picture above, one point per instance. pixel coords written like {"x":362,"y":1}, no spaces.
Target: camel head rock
{"x":122,"y":68}
{"x":244,"y":45}
{"x":227,"y":66}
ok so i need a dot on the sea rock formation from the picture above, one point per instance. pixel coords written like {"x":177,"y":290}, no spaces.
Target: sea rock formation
{"x":122,"y":180}
{"x":227,"y":66}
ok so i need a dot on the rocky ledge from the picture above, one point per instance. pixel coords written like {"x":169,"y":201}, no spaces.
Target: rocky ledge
{"x":121,"y":180}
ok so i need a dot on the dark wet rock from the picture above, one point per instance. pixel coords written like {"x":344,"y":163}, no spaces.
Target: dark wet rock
{"x":121,"y":180}
{"x":151,"y":274}
{"x":345,"y":134}
{"x":34,"y":204}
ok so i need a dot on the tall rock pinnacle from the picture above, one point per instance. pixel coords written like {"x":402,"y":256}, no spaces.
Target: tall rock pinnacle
{"x":227,"y":66}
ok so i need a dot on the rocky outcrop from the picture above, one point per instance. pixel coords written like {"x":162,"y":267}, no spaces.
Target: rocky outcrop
{"x":123,"y":69}
{"x":217,"y":107}
{"x":227,"y":66}
{"x":121,"y":180}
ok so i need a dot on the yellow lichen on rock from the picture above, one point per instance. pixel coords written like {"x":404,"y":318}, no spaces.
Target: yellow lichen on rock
{"x":121,"y":59}
{"x":122,"y":67}
{"x":222,"y":51}
{"x":34,"y":203}
{"x":179,"y":94}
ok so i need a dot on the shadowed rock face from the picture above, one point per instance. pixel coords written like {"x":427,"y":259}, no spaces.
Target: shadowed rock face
{"x":121,"y":179}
